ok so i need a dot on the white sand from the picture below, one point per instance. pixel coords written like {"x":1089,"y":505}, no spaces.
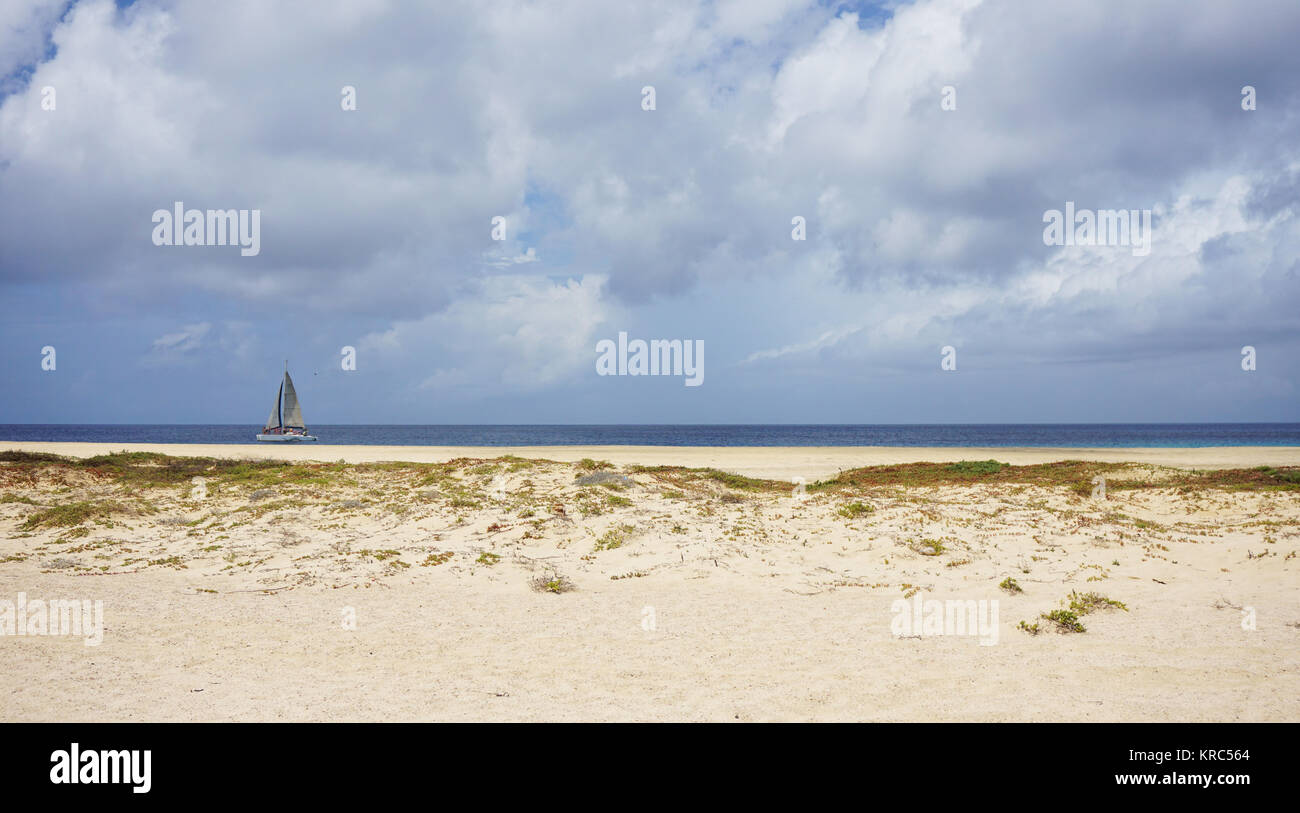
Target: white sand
{"x":764,"y":607}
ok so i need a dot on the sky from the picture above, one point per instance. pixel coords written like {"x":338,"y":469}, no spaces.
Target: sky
{"x":921,"y":143}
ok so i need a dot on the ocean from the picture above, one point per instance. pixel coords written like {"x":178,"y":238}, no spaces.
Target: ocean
{"x":1034,"y":434}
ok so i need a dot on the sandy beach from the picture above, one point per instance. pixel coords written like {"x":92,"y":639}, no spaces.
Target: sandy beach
{"x":654,"y":583}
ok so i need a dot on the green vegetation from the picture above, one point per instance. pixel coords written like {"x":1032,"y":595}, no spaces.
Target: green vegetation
{"x":174,"y":562}
{"x":855,"y":509}
{"x":1075,"y":475}
{"x":1084,"y":603}
{"x":32,"y":457}
{"x":928,"y":547}
{"x":738,"y":481}
{"x":518,"y":463}
{"x":1079,"y":604}
{"x":974,"y":468}
{"x":488,"y":559}
{"x":1065,"y":621}
{"x":553,"y":583}
{"x":380,"y":555}
{"x":685,"y":480}
{"x":1286,"y":478}
{"x":153,"y":470}
{"x":1009,"y":584}
{"x":614,"y":537}
{"x":143,"y":470}
{"x":69,"y":514}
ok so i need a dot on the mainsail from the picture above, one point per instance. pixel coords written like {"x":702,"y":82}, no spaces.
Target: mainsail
{"x":292,"y":412}
{"x":273,"y":422}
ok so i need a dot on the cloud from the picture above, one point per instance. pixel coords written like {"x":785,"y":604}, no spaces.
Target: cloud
{"x":512,"y":334}
{"x":529,"y":256}
{"x":826,"y":339}
{"x":174,"y":347}
{"x":1214,"y":251}
{"x":25,"y":26}
{"x":923,"y":225}
{"x":846,"y":129}
{"x":232,"y":344}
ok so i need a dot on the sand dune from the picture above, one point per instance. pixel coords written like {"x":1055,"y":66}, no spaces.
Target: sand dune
{"x":777,"y":462}
{"x":508,"y":589}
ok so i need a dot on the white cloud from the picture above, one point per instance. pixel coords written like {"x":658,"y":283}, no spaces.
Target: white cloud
{"x":528,"y":256}
{"x":826,"y":339}
{"x":1088,"y":292}
{"x":754,"y":20}
{"x":24,"y":26}
{"x":173,"y":347}
{"x":513,"y":334}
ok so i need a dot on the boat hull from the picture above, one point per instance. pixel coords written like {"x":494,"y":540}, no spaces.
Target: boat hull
{"x":286,"y":438}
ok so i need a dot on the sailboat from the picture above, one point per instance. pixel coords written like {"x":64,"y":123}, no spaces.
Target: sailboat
{"x":285,"y":426}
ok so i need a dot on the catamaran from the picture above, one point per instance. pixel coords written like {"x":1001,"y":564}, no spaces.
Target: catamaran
{"x":285,"y":426}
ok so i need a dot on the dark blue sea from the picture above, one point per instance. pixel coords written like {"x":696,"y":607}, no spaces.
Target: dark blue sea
{"x":1074,"y":434}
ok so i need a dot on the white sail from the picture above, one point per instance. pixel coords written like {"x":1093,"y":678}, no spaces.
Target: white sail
{"x":273,"y":422}
{"x":292,"y":412}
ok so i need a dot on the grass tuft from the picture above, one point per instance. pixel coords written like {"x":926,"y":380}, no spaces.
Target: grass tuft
{"x":855,"y":509}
